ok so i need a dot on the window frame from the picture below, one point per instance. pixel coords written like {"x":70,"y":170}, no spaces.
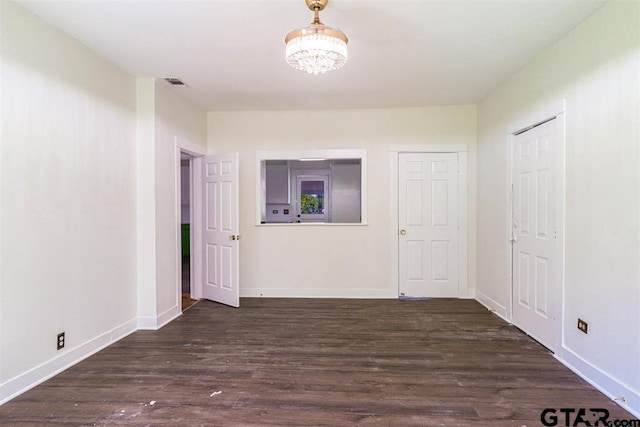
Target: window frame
{"x":323,"y":217}
{"x":327,"y":154}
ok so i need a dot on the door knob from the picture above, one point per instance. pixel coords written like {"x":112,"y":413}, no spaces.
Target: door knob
{"x":403,"y":232}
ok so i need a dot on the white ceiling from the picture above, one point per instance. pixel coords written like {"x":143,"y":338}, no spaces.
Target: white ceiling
{"x":401,"y":53}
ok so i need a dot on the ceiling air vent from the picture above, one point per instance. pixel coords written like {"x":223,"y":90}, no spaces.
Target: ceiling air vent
{"x":175,"y":81}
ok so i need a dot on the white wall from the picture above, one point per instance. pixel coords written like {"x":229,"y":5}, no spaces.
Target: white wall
{"x":79,"y":166}
{"x":345,"y":193}
{"x":331,"y":261}
{"x":67,"y":201}
{"x":167,"y":123}
{"x":596,"y":70}
{"x":89,"y":200}
{"x":179,"y":125}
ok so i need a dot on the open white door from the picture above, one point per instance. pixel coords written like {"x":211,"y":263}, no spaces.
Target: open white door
{"x":220,"y":232}
{"x":428,"y":224}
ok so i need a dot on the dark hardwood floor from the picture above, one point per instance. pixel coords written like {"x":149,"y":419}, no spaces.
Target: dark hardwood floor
{"x":315,"y":362}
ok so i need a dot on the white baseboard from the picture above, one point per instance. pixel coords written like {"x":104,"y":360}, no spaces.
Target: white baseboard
{"x":155,"y":323}
{"x":333,"y":293}
{"x":54,"y":366}
{"x":147,"y":323}
{"x":70,"y":357}
{"x":319,"y":293}
{"x":169,"y":315}
{"x":467,"y":294}
{"x":618,"y":392}
{"x":493,"y":306}
{"x":621,"y":394}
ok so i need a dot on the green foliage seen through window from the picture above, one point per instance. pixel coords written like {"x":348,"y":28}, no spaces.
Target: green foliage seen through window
{"x":311,"y":204}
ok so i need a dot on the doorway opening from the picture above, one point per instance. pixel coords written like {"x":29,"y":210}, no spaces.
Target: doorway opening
{"x":185,"y":231}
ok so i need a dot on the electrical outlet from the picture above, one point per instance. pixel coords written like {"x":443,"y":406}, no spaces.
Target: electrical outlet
{"x":60,"y":340}
{"x":582,"y":325}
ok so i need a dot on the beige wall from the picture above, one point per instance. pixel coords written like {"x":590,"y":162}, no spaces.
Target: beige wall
{"x":331,"y":261}
{"x":67,"y":201}
{"x":596,"y":70}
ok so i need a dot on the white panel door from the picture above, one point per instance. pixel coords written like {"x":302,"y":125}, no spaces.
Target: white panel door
{"x":221,"y":238}
{"x":536,"y":294}
{"x":428,"y":224}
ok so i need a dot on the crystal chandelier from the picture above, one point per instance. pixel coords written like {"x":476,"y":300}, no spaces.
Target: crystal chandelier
{"x":317,"y":48}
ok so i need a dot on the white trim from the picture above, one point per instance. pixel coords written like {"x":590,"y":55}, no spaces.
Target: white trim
{"x":394,"y":244}
{"x":195,"y":202}
{"x":147,"y":323}
{"x":355,"y":153}
{"x":180,"y":148}
{"x":492,"y":305}
{"x":561,"y":209}
{"x":27,"y":380}
{"x":178,"y":231}
{"x":169,"y":315}
{"x":197,"y":235}
{"x":463,"y":238}
{"x":428,"y":148}
{"x":538,"y":116}
{"x":193,"y":241}
{"x":469,"y":294}
{"x":312,"y":224}
{"x":155,"y":323}
{"x":363,"y":188}
{"x":508,"y":313}
{"x":463,"y":221}
{"x":352,"y":293}
{"x":609,"y":386}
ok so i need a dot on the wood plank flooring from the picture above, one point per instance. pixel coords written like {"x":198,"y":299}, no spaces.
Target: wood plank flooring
{"x":187,"y":302}
{"x":315,"y":362}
